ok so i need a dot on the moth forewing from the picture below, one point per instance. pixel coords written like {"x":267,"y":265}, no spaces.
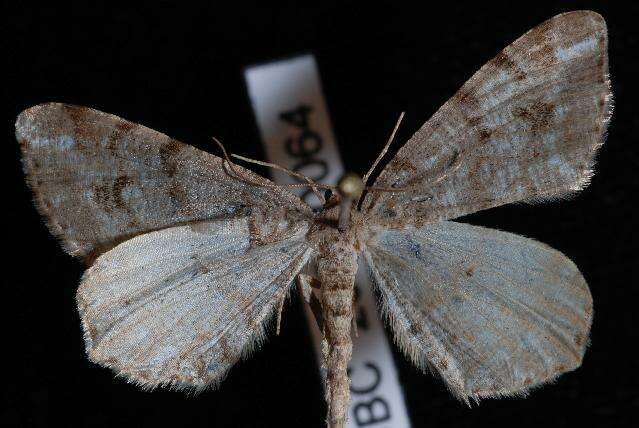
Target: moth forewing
{"x":525,"y":127}
{"x":99,"y":179}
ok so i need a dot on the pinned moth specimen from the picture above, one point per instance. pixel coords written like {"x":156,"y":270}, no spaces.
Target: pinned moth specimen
{"x":190,"y":256}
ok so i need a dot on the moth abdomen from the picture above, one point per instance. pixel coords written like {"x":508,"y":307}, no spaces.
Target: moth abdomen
{"x":337,"y":266}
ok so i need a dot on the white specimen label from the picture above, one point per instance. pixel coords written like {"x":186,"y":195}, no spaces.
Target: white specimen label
{"x":296,"y":131}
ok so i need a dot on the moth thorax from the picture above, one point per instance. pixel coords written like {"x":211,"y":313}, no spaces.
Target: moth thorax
{"x":350,"y":186}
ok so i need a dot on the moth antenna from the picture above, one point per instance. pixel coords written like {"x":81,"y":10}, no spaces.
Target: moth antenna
{"x":452,"y":166}
{"x":379,"y":157}
{"x":386,"y":189}
{"x":292,"y":173}
{"x":231,"y":166}
{"x":384,"y":150}
{"x":239,"y":176}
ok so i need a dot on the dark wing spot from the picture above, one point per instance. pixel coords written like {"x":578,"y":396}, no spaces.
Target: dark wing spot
{"x":84,"y":128}
{"x":108,"y":195}
{"x":416,"y":329}
{"x":466,"y":98}
{"x":474,"y":121}
{"x":119,"y":133}
{"x":118,"y":186}
{"x":75,"y":113}
{"x":102,"y":196}
{"x":168,"y":157}
{"x":179,"y":199}
{"x":484,"y":134}
{"x":539,"y":115}
{"x":544,"y":55}
{"x":125,"y":126}
{"x":602,"y":102}
{"x":469,"y":337}
{"x":93,"y":332}
{"x":416,"y":249}
{"x":602,"y":49}
{"x":504,"y":61}
{"x":470,"y":271}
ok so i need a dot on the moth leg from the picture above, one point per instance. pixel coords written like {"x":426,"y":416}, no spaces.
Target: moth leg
{"x":303,"y":282}
{"x":355,"y":313}
{"x":279,"y":314}
{"x":309,"y":288}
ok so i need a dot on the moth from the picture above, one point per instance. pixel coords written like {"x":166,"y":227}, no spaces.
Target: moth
{"x":190,"y":256}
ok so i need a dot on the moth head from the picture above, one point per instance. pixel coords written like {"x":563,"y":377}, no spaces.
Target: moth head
{"x":350,"y":186}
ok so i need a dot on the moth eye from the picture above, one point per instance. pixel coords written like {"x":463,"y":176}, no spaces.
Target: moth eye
{"x":327,"y":194}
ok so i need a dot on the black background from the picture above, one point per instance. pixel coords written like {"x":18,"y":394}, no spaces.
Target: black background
{"x":178,"y":69}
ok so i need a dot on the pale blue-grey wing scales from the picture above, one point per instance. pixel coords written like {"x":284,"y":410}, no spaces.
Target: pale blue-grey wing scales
{"x":493,"y":312}
{"x":181,"y":305}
